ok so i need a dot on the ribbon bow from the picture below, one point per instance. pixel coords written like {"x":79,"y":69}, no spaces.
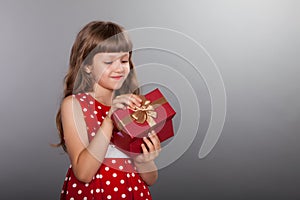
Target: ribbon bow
{"x":144,"y":113}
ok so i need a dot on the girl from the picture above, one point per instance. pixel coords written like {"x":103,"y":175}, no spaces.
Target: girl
{"x":101,"y":79}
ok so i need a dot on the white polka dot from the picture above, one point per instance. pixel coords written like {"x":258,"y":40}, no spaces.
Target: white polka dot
{"x":86,"y":185}
{"x":92,"y":116}
{"x":116,"y":189}
{"x":107,"y":182}
{"x":106,"y":168}
{"x":98,"y":122}
{"x":67,"y":192}
{"x":135,"y":188}
{"x":92,"y":191}
{"x":129,"y":161}
{"x":84,"y":198}
{"x":66,"y":178}
{"x":142,"y":194}
{"x":69,"y":178}
{"x":139,"y":181}
{"x":91,"y":102}
{"x":108,"y":197}
{"x":84,"y":109}
{"x":93,"y":134}
{"x":113,"y":161}
{"x":74,"y":185}
{"x":128,"y":175}
{"x":79,"y":191}
{"x":81,"y":99}
{"x":106,"y":112}
{"x":129,"y":189}
{"x":95,"y":112}
{"x":102,"y":190}
{"x":148,"y":193}
{"x":97,"y":190}
{"x":99,"y":107}
{"x":133,"y":175}
{"x":122,"y":181}
{"x":144,"y":186}
{"x":70,"y":166}
{"x":84,"y":97}
{"x":114,"y":175}
{"x":121,"y":167}
{"x":123,"y":196}
{"x":98,"y":176}
{"x":62,"y":191}
{"x":101,"y":176}
{"x":71,"y":198}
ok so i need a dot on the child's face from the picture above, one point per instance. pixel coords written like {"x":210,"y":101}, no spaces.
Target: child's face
{"x":111,"y":69}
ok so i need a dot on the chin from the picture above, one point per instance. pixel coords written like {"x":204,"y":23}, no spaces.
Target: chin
{"x":112,"y":86}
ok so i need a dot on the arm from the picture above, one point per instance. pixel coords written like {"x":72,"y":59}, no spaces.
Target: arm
{"x":148,"y":172}
{"x":145,"y":162}
{"x":85,"y":157}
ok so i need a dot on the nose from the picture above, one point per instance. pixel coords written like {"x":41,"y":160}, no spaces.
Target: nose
{"x":119,"y":66}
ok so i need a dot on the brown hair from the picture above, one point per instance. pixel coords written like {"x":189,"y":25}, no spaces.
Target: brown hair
{"x":95,"y":37}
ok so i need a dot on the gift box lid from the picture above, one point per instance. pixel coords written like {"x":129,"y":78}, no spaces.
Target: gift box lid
{"x":154,"y":112}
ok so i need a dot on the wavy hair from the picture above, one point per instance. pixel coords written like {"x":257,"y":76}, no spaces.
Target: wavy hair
{"x":95,"y":37}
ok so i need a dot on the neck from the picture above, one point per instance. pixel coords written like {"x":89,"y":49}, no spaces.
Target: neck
{"x":103,"y":95}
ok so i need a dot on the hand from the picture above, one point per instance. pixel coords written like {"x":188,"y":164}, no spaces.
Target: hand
{"x":154,"y":147}
{"x":120,"y":102}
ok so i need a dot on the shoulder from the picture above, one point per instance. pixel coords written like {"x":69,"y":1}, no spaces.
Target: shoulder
{"x":69,"y":103}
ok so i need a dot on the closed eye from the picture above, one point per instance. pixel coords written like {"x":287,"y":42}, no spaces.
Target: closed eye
{"x":108,"y":63}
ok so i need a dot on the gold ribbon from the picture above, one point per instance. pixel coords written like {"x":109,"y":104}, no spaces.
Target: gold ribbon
{"x":141,"y":114}
{"x":144,"y":113}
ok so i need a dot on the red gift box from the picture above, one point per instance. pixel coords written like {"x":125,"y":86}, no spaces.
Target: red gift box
{"x":132,"y":125}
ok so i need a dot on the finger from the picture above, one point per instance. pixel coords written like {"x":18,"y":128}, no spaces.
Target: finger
{"x":134,"y":99}
{"x":127,"y":100}
{"x":149,"y":144}
{"x":144,"y":148}
{"x":116,"y":106}
{"x":137,"y":98}
{"x":155,"y":140}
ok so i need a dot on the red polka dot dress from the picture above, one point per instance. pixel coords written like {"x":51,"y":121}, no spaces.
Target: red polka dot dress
{"x":116,"y":178}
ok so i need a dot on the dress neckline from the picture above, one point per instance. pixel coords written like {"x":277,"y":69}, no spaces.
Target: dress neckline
{"x":102,"y":104}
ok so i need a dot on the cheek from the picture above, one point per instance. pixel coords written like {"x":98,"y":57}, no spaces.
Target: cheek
{"x":100,"y":74}
{"x":127,"y":70}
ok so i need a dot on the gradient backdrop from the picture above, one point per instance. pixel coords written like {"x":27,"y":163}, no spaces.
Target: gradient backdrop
{"x":255,"y":44}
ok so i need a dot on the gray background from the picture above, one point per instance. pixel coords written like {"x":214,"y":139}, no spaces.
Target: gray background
{"x":256,"y":47}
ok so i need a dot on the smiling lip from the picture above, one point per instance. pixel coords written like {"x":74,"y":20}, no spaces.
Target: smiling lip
{"x":116,"y":77}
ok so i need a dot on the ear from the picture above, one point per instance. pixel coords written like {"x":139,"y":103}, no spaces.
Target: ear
{"x":88,"y":69}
